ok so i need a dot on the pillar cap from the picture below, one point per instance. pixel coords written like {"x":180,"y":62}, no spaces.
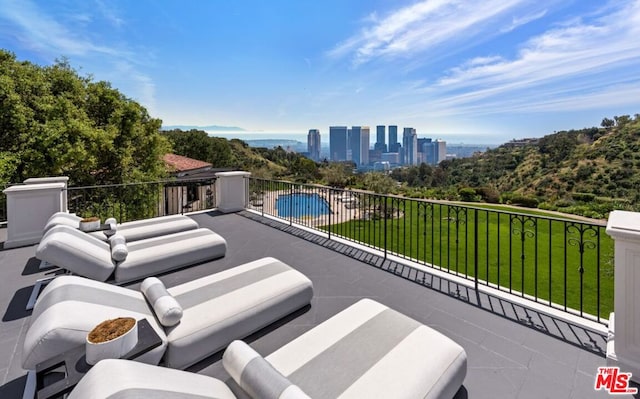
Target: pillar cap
{"x":41,"y":180}
{"x":624,"y":224}
{"x":34,"y":187}
{"x":230,"y":174}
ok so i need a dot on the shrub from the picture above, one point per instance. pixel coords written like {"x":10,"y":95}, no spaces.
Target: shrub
{"x":564,"y":203}
{"x":467,"y":194}
{"x":527,"y":202}
{"x":489,"y":194}
{"x":584,"y":172}
{"x":547,"y":206}
{"x":505,"y":198}
{"x":583,"y":197}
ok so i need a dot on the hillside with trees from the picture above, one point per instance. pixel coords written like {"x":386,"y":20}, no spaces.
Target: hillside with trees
{"x":236,"y":154}
{"x":55,"y":122}
{"x":588,"y":172}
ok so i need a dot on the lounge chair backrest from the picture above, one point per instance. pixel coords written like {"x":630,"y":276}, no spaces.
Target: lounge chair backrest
{"x":62,"y":218}
{"x":76,"y":251}
{"x":70,"y":306}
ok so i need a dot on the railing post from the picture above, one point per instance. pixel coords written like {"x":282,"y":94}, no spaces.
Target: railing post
{"x":384,"y":212}
{"x":232,"y":191}
{"x":29,"y":207}
{"x":262,"y":191}
{"x":623,"y":346}
{"x":290,"y":204}
{"x":475,"y":250}
{"x":330,"y":212}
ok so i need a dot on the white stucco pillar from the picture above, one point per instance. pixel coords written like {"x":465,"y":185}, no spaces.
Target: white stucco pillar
{"x":29,"y":207}
{"x":55,"y":179}
{"x":623,"y":348}
{"x":232,"y":191}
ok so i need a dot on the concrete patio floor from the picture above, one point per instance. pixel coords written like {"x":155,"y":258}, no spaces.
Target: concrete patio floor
{"x":513,"y":351}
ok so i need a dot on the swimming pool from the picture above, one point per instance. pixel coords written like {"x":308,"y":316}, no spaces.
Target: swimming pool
{"x":300,"y":205}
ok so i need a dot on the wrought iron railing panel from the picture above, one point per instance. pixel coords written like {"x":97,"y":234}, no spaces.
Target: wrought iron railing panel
{"x":132,"y":201}
{"x":563,"y":263}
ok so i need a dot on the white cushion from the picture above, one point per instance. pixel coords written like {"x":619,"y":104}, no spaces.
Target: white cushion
{"x":256,"y":376}
{"x":113,"y":227}
{"x":119,"y":249}
{"x":166,"y":307}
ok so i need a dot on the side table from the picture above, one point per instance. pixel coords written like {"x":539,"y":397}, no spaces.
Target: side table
{"x":74,"y":365}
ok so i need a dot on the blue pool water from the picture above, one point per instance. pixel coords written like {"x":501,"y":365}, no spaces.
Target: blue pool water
{"x":300,"y":205}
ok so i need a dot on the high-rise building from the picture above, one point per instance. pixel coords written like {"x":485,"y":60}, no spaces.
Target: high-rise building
{"x":441,"y":146}
{"x":380,"y":139}
{"x":364,"y":145}
{"x":429,"y":151}
{"x":394,"y":146}
{"x":338,"y":143}
{"x":409,"y":146}
{"x":313,"y":144}
{"x":359,"y":144}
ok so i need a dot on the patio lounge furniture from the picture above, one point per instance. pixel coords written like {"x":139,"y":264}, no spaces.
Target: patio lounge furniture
{"x":115,"y":378}
{"x":132,"y":231}
{"x":82,"y":254}
{"x":365,"y":351}
{"x":216,"y":309}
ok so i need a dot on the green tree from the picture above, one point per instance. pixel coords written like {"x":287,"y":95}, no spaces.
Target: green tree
{"x":467,"y":194}
{"x":607,"y":123}
{"x":197,"y":144}
{"x":378,"y":182}
{"x":55,"y":122}
{"x":337,"y":174}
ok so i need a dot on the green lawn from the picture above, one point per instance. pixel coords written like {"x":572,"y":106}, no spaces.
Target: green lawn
{"x":523,"y":253}
{"x":525,"y":211}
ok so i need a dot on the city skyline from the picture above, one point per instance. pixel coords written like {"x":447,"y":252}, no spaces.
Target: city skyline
{"x":476,"y":72}
{"x":353,"y":144}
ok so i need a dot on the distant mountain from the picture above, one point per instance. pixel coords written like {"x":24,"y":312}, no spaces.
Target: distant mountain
{"x":205,"y":128}
{"x":271,"y":143}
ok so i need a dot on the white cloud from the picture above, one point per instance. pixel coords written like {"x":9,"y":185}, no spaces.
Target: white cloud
{"x":421,"y":26}
{"x":570,"y":67}
{"x":44,"y":34}
{"x":109,"y":13}
{"x":143,"y":85}
{"x":519,"y":21}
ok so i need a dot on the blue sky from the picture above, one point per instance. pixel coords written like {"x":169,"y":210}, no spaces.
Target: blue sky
{"x":474,"y":71}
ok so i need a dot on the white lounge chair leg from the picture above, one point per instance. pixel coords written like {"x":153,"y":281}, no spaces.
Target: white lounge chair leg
{"x":45,"y":265}
{"x":36,"y":291}
{"x":30,"y":386}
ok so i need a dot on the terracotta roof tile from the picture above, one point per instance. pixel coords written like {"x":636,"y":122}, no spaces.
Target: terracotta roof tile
{"x":181,"y":164}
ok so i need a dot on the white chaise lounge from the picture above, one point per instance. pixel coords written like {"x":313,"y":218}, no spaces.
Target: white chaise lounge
{"x":365,"y":351}
{"x":126,"y":379}
{"x":216,"y":309}
{"x":131,"y":231}
{"x":87,"y":256}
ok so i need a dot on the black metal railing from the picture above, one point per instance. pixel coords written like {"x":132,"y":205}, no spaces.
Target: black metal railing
{"x":132,"y":201}
{"x":563,"y":263}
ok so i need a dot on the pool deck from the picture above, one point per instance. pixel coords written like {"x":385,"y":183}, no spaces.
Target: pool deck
{"x":340,"y":212}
